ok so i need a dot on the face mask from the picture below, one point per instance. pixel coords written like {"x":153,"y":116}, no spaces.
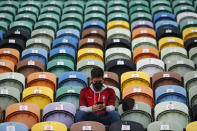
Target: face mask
{"x":98,"y":85}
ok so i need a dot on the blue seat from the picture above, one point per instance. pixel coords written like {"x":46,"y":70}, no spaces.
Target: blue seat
{"x":165,"y":24}
{"x":13,"y":126}
{"x":73,"y":78}
{"x":1,"y":35}
{"x":163,"y":16}
{"x":60,"y":52}
{"x":94,"y":24}
{"x":65,"y":42}
{"x":35,"y":53}
{"x":68,"y":32}
{"x":170,"y":93}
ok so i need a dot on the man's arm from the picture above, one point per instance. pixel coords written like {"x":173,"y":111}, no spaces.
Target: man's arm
{"x":111,"y":100}
{"x":83,"y":105}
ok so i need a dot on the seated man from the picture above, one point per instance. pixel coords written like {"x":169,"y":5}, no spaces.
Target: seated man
{"x":97,"y":102}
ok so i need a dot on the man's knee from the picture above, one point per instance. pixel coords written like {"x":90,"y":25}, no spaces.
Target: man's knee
{"x":81,"y":116}
{"x":114,"y":115}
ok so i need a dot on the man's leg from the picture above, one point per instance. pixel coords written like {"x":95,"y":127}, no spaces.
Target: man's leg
{"x":109,"y":118}
{"x":85,"y":116}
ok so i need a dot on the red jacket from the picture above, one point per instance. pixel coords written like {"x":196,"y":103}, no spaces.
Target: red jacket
{"x":88,"y":97}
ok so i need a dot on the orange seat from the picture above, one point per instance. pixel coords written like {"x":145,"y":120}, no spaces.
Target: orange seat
{"x":26,"y":113}
{"x":111,"y":79}
{"x":144,"y":52}
{"x":6,"y":66}
{"x":10,"y":54}
{"x":143,"y":32}
{"x":140,"y":94}
{"x":42,"y":79}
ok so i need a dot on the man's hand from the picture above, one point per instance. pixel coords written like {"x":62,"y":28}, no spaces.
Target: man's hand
{"x":95,"y":108}
{"x":102,"y":107}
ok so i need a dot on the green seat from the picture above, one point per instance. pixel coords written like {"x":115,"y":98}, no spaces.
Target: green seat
{"x":95,"y":16}
{"x":187,"y":23}
{"x":160,"y":3}
{"x":43,"y":43}
{"x":26,"y":17}
{"x":171,"y":111}
{"x":12,"y":79}
{"x":117,"y":53}
{"x":8,"y":96}
{"x":118,"y":16}
{"x":70,"y":24}
{"x":10,"y":4}
{"x":190,"y":80}
{"x":59,"y":66}
{"x":117,"y":2}
{"x":87,"y":65}
{"x":183,"y":8}
{"x":4,"y":26}
{"x":117,"y":92}
{"x":117,"y":9}
{"x":36,"y":4}
{"x":73,"y":17}
{"x":192,"y":96}
{"x":9,"y":10}
{"x":73,"y":9}
{"x":181,"y":2}
{"x":141,"y":113}
{"x":139,"y":8}
{"x":46,"y":25}
{"x":51,"y":9}
{"x":181,"y":66}
{"x":6,"y":17}
{"x":94,"y":9}
{"x":55,"y":3}
{"x":170,"y":53}
{"x":49,"y":17}
{"x":43,"y":33}
{"x":193,"y":55}
{"x":96,"y":3}
{"x":29,"y":9}
{"x":69,"y":94}
{"x":138,"y":2}
{"x":119,"y":33}
{"x":158,"y":9}
{"x":22,"y":25}
{"x":143,"y":41}
{"x":74,"y":3}
{"x":140,"y":16}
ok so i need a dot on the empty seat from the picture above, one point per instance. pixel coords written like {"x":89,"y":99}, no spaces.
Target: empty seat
{"x":50,"y":9}
{"x":26,"y":113}
{"x":73,"y":78}
{"x":144,"y":52}
{"x":163,"y":16}
{"x":43,"y":33}
{"x":117,"y":16}
{"x":162,"y":125}
{"x":141,"y":23}
{"x":170,"y":53}
{"x":10,"y":54}
{"x":94,"y":9}
{"x":115,"y":3}
{"x":77,"y":3}
{"x":190,"y":43}
{"x":16,"y":126}
{"x":143,"y":32}
{"x":73,"y":9}
{"x":189,"y":33}
{"x":191,"y":126}
{"x":29,"y":66}
{"x":120,"y":66}
{"x":58,"y":4}
{"x":166,"y":78}
{"x":96,"y":3}
{"x":9,"y":96}
{"x":183,"y":8}
{"x":141,"y":113}
{"x":117,"y":42}
{"x":6,"y":66}
{"x":126,"y":125}
{"x":22,"y":25}
{"x":93,"y":33}
{"x":46,"y":24}
{"x":135,"y":78}
{"x":192,"y":96}
{"x":119,"y":33}
{"x":194,"y":112}
{"x":172,"y":111}
{"x":35,"y":53}
{"x":29,"y":17}
{"x":143,"y":42}
{"x":90,"y":43}
{"x":88,"y":125}
{"x":171,"y":93}
{"x":49,"y":125}
{"x":190,"y":79}
{"x":165,"y":24}
{"x":193,"y":54}
{"x":186,"y":15}
{"x":39,"y":95}
{"x":165,"y":32}
{"x":94,"y":24}
{"x":42,"y":79}
{"x":187,"y":23}
{"x":90,"y":53}
{"x":111,"y":79}
{"x":68,"y":32}
{"x":61,"y":112}
{"x":85,"y":66}
{"x":181,"y":66}
{"x":117,"y":24}
{"x":72,"y":17}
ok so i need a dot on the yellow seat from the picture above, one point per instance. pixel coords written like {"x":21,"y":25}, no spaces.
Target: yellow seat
{"x":118,"y":24}
{"x":189,"y":33}
{"x":135,"y":78}
{"x":170,"y":42}
{"x":90,"y":53}
{"x":49,"y":126}
{"x":39,"y":95}
{"x":192,"y":126}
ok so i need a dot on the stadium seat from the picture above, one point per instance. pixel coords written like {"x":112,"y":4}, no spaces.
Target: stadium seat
{"x":17,"y":34}
{"x":6,"y":66}
{"x":126,"y":125}
{"x":119,"y":33}
{"x":16,"y":126}
{"x":192,"y":55}
{"x":162,"y":125}
{"x":190,"y":79}
{"x":111,"y":79}
{"x":88,"y":125}
{"x":90,"y":43}
{"x":143,"y":42}
{"x":143,"y":32}
{"x":10,"y":54}
{"x":140,"y":24}
{"x":43,"y":33}
{"x":93,"y":33}
{"x":191,"y":126}
{"x":117,"y":42}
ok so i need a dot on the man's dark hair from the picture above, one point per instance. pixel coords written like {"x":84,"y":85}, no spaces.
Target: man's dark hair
{"x":97,"y":72}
